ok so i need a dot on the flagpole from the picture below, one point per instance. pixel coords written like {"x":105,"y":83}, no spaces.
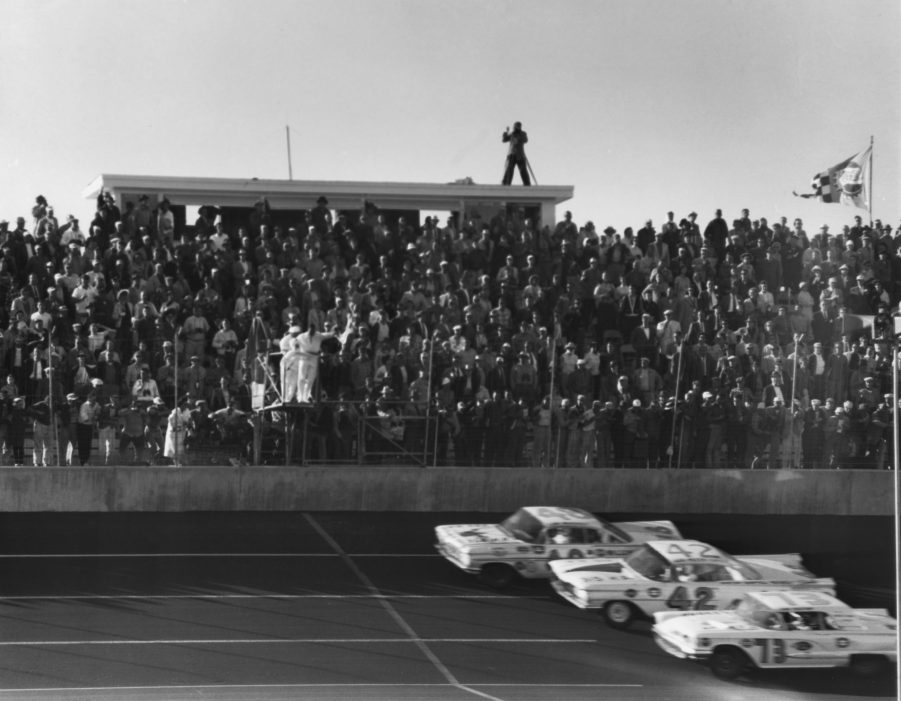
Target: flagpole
{"x":870,"y":189}
{"x":288,"y":136}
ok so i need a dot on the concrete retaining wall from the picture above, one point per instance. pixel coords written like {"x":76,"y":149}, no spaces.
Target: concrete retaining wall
{"x":107,"y":489}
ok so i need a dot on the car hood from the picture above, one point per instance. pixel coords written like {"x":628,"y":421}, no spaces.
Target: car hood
{"x":473,"y":534}
{"x":591,"y":571}
{"x":700,"y":623}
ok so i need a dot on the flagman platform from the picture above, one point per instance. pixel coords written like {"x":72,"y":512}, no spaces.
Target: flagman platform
{"x":236,"y":196}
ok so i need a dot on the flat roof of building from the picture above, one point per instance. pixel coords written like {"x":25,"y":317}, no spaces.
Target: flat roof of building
{"x":302,"y":194}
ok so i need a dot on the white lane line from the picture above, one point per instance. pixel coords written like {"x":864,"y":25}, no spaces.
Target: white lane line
{"x":360,"y":685}
{"x":213,"y":597}
{"x":394,"y":614}
{"x":293,"y":641}
{"x":113,"y":556}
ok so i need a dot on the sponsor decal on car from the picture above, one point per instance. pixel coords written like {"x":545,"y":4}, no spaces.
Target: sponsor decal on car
{"x":654,"y":593}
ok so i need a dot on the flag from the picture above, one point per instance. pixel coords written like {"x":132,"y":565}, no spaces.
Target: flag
{"x":846,"y":183}
{"x":856,"y":325}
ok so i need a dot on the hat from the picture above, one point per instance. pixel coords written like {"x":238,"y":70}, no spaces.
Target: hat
{"x":200,"y":401}
{"x":96,"y":382}
{"x":707,"y":395}
{"x":143,"y":198}
{"x":19,"y":400}
{"x":636,"y":403}
{"x":322,"y":200}
{"x":71,"y":397}
{"x":158,"y":401}
{"x":446,"y":381}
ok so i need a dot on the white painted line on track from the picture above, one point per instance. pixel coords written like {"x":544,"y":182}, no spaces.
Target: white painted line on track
{"x":292,"y":641}
{"x":395,"y":615}
{"x":213,"y":597}
{"x":113,"y":556}
{"x":361,"y":685}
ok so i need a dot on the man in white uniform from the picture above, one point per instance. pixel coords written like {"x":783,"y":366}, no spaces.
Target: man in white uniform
{"x":309,"y":345}
{"x":289,"y":364}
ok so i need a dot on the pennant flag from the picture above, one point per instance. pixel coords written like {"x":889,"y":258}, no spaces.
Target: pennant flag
{"x":856,"y":325}
{"x":846,"y":183}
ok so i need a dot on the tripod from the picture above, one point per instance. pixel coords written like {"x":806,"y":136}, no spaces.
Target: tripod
{"x":510,"y":166}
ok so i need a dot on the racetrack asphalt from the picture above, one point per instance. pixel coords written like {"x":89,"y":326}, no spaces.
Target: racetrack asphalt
{"x":316,"y":606}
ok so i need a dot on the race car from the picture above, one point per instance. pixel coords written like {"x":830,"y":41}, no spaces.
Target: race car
{"x":779,"y":629}
{"x":674,"y":574}
{"x":526,"y":541}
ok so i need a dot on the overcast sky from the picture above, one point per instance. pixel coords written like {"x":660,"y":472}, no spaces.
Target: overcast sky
{"x":644,"y":106}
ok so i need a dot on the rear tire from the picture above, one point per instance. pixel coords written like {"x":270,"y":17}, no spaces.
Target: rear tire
{"x":618,"y":614}
{"x":497,"y":576}
{"x":868,"y":665}
{"x":728,"y":663}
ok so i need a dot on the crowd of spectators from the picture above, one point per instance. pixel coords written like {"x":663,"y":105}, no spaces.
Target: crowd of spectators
{"x":497,"y":342}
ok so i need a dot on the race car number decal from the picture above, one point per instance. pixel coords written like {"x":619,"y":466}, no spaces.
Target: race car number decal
{"x":771,"y":650}
{"x":679,"y":599}
{"x":692,"y":551}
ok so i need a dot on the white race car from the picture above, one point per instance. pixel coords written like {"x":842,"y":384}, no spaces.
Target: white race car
{"x":675,"y":574}
{"x":526,"y":541}
{"x":778,"y":629}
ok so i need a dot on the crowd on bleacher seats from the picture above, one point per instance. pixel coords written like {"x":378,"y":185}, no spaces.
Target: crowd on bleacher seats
{"x":488,"y":342}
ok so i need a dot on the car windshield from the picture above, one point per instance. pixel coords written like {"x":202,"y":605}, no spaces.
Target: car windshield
{"x":522,"y":525}
{"x":648,"y":563}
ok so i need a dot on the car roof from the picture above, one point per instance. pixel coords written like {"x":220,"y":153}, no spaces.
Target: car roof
{"x":561,"y":516}
{"x":680,"y":552}
{"x":798,"y":601}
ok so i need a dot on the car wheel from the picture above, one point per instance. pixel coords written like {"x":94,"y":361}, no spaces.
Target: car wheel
{"x":497,"y":576}
{"x":728,"y":662}
{"x":618,"y":614}
{"x":868,"y":665}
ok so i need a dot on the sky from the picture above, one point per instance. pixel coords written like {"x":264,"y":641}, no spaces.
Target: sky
{"x":643,"y":106}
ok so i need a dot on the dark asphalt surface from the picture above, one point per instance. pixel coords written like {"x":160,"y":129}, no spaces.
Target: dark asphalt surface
{"x":342,"y":606}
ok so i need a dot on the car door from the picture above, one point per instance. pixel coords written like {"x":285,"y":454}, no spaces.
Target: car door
{"x":569,"y":542}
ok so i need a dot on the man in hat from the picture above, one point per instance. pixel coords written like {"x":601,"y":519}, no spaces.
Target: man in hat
{"x":156,"y":415}
{"x":16,"y":422}
{"x":87,"y":419}
{"x":165,"y":222}
{"x":133,"y":425}
{"x":108,"y":426}
{"x":321,"y":217}
{"x":309,"y":345}
{"x":145,"y":388}
{"x":42,"y":438}
{"x":289,"y":367}
{"x":516,"y":154}
{"x":176,"y":431}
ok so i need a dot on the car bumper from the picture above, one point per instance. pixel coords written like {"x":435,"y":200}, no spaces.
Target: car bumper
{"x":451,"y":556}
{"x":565,"y":590}
{"x":677,"y":651}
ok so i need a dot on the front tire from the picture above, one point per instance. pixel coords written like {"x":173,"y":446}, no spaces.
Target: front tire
{"x":497,"y":576}
{"x":868,"y":665}
{"x":618,"y":614}
{"x":728,"y":663}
